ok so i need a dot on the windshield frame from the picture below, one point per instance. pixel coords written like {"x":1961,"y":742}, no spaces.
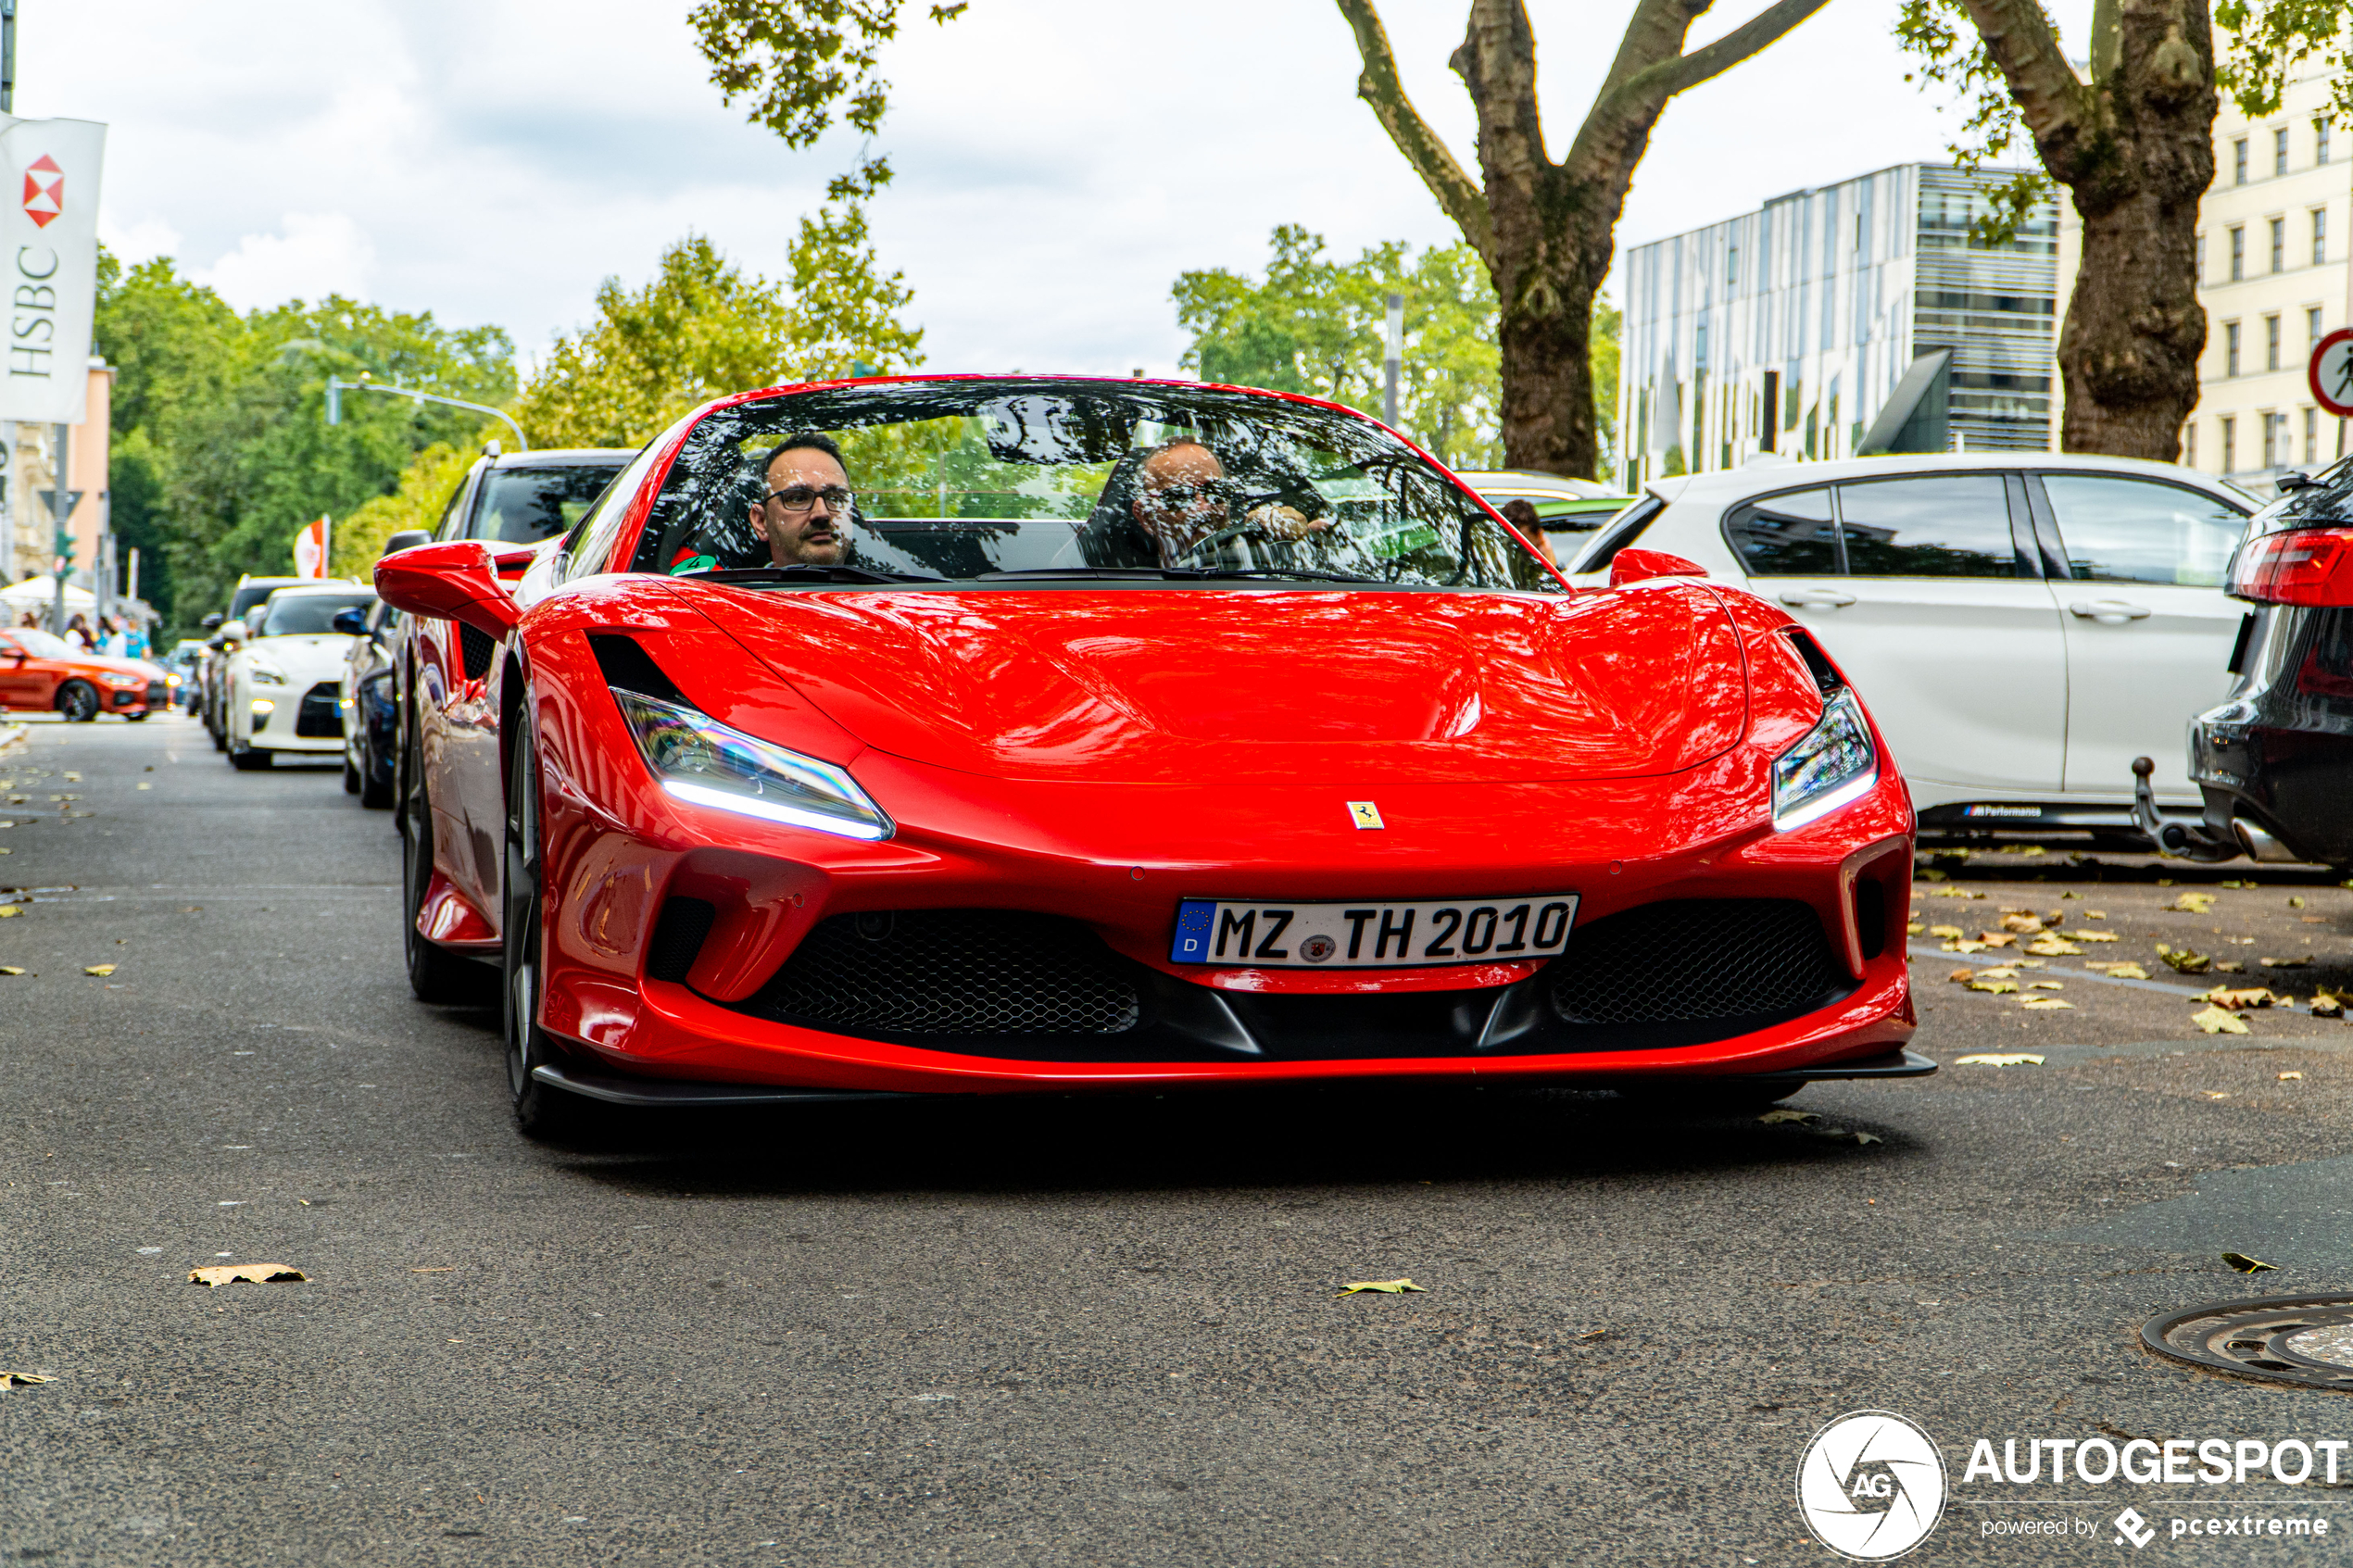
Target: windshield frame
{"x":639,"y":530}
{"x":350,"y":598}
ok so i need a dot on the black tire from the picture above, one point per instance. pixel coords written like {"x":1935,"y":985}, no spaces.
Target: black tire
{"x":135,"y":718}
{"x":78,"y":700}
{"x":435,"y":974}
{"x":248,"y":760}
{"x":375,"y":789}
{"x":350,"y":776}
{"x":541,"y":1109}
{"x":220,"y":736}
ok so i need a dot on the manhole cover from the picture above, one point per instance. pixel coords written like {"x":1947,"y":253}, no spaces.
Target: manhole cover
{"x":2305,"y":1340}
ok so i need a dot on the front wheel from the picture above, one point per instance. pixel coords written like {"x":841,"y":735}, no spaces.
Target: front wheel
{"x":435,"y":974}
{"x":78,"y":700}
{"x":541,"y":1109}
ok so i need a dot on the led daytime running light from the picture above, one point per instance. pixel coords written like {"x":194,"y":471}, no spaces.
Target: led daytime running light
{"x":707,"y":763}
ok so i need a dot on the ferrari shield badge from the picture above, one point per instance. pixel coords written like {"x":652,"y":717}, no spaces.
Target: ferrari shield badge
{"x":1365,"y":814}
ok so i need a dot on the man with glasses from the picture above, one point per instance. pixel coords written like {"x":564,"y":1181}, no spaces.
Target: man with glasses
{"x":1181,"y":505}
{"x":804,"y":515}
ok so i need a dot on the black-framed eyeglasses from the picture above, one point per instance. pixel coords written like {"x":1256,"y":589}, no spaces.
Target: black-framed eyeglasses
{"x":795,"y":498}
{"x":1207,"y":490}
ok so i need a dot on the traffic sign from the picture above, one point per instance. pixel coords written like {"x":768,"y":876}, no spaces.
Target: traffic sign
{"x":2331,"y":373}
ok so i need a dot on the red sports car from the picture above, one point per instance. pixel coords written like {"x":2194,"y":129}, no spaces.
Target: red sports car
{"x":985,"y":734}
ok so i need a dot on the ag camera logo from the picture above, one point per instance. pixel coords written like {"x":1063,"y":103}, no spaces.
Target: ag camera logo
{"x":1870,"y":1485}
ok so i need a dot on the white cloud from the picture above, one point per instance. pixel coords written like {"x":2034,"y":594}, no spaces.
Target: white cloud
{"x":314,"y":255}
{"x":134,"y":243}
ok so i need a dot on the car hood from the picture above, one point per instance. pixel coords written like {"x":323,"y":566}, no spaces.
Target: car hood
{"x":138,"y":667}
{"x":1179,"y":687}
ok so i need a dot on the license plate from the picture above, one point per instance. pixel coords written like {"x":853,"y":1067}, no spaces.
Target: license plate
{"x":1372,"y":935}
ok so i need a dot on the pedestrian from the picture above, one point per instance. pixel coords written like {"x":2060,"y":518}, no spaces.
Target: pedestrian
{"x":113,"y":641}
{"x":134,"y":640}
{"x":1520,"y":512}
{"x":78,"y":634}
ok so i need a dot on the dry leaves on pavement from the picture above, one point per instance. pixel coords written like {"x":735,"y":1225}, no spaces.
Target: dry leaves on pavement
{"x":101,"y":970}
{"x":2025,"y":925}
{"x":2120,"y":971}
{"x":2181,"y":960}
{"x":1385,"y":1286}
{"x":2052,"y":947}
{"x":20,"y":1379}
{"x":2327,"y":1005}
{"x":255,"y":1274}
{"x":1999,"y":1059}
{"x":2192,"y":904}
{"x":2092,"y":937}
{"x":1945,"y":931}
{"x":2245,"y":1264}
{"x":2214,"y":1020}
{"x":2303,"y":962}
{"x":2046,"y":1004}
{"x":2239,"y":1000}
{"x":1783,"y":1113}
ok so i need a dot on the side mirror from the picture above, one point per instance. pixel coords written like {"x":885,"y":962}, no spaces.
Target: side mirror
{"x":212,"y":622}
{"x":1640,"y":565}
{"x":353,"y":621}
{"x":407,"y":539}
{"x":2293,"y":479}
{"x":457,"y":581}
{"x":233,"y":631}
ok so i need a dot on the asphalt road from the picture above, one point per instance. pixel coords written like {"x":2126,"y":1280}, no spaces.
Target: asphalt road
{"x":1082,"y":1331}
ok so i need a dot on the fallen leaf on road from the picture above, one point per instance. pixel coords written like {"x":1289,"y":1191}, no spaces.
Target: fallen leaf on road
{"x":1961,"y":976}
{"x":7,"y":910}
{"x":2245,"y":1264}
{"x":2026,"y":925}
{"x":255,"y":1274}
{"x":1999,"y":1059}
{"x":2214,"y":1020}
{"x":2193,"y":903}
{"x":1913,"y":928}
{"x":2326,"y":1006}
{"x":2217,"y":1094}
{"x":1997,"y":987}
{"x":2286,"y":1077}
{"x":146,"y":786}
{"x":2238,"y":999}
{"x":2052,"y":947}
{"x":436,"y":1269}
{"x":2305,"y":962}
{"x":1386,"y":1286}
{"x":2048,"y":986}
{"x":2230,"y":966}
{"x":1945,"y":931}
{"x":1772,"y":1118}
{"x":2045,"y":1004}
{"x":2183,"y":962}
{"x":9,"y":969}
{"x":2295,"y":903}
{"x":1841,"y":1135}
{"x":2126,"y":971}
{"x":2095,"y":914}
{"x":1996,"y":938}
{"x":15,"y":1379}
{"x":2004,"y":972}
{"x":2092,"y":937}
{"x":101,"y":970}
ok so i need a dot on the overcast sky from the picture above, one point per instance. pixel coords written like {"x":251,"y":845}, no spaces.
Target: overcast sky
{"x":1060,"y":161}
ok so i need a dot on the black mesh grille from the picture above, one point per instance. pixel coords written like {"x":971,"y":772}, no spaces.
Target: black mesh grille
{"x":475,"y":647}
{"x":158,"y":693}
{"x":322,"y":711}
{"x":954,"y":972}
{"x":1697,"y":958}
{"x":678,"y":938}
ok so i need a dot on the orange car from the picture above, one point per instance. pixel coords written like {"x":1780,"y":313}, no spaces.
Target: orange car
{"x":39,"y":669}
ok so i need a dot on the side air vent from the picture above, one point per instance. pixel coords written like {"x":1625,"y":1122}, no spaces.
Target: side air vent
{"x":678,"y":938}
{"x":477,"y":649}
{"x":1871,"y":916}
{"x":628,"y":667}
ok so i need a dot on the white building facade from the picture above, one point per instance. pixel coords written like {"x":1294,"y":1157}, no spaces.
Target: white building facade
{"x":1786,"y":330}
{"x":2272,"y":276}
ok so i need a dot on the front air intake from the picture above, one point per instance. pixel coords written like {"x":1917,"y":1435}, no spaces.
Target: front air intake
{"x":952,"y":972}
{"x":678,"y":938}
{"x":1687,"y":959}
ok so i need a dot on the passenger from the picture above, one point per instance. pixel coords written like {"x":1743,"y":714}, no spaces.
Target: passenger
{"x":1520,"y":512}
{"x":1181,"y":496}
{"x":806,"y":513}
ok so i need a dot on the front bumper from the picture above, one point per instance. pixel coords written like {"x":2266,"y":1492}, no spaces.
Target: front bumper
{"x":298,"y":719}
{"x":762,"y":889}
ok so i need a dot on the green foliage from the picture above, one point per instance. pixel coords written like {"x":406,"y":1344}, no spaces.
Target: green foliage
{"x":1941,"y":36}
{"x":424,"y":488}
{"x":1317,"y":325}
{"x":222,"y":451}
{"x":799,"y":61}
{"x":704,"y":327}
{"x":2271,"y":38}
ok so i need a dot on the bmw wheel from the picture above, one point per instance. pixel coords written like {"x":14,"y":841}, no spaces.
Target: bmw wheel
{"x":78,"y":700}
{"x":541,"y":1109}
{"x":435,"y":974}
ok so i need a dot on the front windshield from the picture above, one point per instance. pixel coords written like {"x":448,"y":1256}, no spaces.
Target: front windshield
{"x":297,"y":615}
{"x":960,"y":481}
{"x":522,"y":505}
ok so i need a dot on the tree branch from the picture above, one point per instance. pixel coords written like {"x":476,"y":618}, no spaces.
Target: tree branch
{"x":2058,"y":108}
{"x":1631,"y":100}
{"x":1497,"y":63}
{"x":1457,"y":193}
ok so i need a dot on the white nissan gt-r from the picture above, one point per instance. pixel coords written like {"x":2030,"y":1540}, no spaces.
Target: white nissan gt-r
{"x":283,"y":680}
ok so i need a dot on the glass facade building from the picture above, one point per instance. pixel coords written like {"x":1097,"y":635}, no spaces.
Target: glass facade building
{"x":1786,"y":329}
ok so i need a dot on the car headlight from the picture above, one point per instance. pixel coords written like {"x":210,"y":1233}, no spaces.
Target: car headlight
{"x":1832,"y":764}
{"x":703,"y":761}
{"x":115,"y":678}
{"x":261,"y":672}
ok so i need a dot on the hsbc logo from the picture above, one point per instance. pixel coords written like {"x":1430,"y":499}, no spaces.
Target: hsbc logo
{"x":44,"y":191}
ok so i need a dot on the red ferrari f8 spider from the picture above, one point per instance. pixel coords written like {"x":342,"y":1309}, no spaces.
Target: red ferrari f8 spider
{"x":982,"y":735}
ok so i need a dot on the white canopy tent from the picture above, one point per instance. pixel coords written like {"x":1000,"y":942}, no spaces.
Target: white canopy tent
{"x":40,"y":593}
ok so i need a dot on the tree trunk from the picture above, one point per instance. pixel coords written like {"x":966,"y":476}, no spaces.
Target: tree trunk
{"x":2136,"y":150}
{"x":1547,"y":367}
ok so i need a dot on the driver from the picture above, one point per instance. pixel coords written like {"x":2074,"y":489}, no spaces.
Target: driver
{"x":805,"y":515}
{"x":1181,"y":496}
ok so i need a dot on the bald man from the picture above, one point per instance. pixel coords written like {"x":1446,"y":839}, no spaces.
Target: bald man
{"x":1182,"y":500}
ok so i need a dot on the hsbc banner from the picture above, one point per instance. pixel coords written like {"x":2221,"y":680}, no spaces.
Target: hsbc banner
{"x":48,"y":263}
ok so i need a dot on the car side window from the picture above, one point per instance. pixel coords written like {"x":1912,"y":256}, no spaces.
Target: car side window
{"x":590,"y":544}
{"x":2119,"y":529}
{"x":1791,"y":535}
{"x":452,"y":522}
{"x":1930,"y":525}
